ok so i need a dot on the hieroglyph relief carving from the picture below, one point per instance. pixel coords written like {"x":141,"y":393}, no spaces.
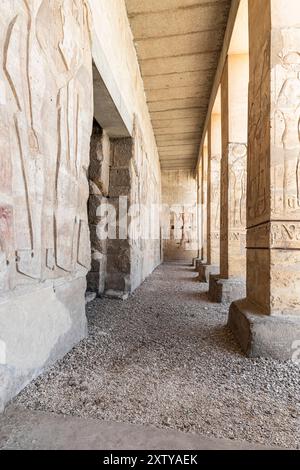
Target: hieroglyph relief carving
{"x":46,"y":110}
{"x":237,"y":163}
{"x":215,"y":192}
{"x":258,"y":139}
{"x":286,"y":124}
{"x":279,"y":235}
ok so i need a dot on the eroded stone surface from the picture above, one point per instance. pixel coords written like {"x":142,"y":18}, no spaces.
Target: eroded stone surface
{"x":179,"y":224}
{"x":273,"y":181}
{"x":226,"y":290}
{"x":213,"y":196}
{"x":45,"y":127}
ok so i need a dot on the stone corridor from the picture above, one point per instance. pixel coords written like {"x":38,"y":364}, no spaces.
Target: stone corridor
{"x":175,"y":366}
{"x":150,"y":217}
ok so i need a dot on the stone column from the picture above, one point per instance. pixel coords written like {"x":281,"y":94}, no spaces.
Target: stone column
{"x":211,"y":264}
{"x":230,"y":284}
{"x":199,"y":215}
{"x":118,"y":282}
{"x":203,"y":210}
{"x":267,"y":323}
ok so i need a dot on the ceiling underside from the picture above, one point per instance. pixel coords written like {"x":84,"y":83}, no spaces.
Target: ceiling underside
{"x":178,"y":44}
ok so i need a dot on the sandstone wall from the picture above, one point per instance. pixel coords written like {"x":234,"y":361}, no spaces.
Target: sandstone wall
{"x":179,"y":190}
{"x":117,"y":63}
{"x":45,"y":126}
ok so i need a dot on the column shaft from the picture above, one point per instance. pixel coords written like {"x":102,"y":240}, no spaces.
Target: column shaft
{"x":230,"y":284}
{"x":268,"y":322}
{"x":211,"y":201}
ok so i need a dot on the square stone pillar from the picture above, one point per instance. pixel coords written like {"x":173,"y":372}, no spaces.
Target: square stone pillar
{"x":199,"y":217}
{"x":267,"y":323}
{"x":213,"y":200}
{"x":203,"y":210}
{"x":230,"y":284}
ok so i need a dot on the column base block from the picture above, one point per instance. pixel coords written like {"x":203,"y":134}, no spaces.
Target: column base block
{"x":261,"y":335}
{"x":205,"y":270}
{"x":196,"y":263}
{"x":226,"y":290}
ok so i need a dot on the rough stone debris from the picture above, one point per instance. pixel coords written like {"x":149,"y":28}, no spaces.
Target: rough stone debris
{"x":175,"y":366}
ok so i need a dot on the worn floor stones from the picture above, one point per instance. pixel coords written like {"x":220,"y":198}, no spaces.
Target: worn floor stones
{"x":165,"y":358}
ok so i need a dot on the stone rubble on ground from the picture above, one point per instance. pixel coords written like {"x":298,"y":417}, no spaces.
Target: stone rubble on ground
{"x":165,"y":358}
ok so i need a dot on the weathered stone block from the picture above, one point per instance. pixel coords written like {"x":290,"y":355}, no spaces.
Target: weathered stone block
{"x":205,"y":270}
{"x":120,"y":182}
{"x":122,"y":152}
{"x":41,"y":327}
{"x":226,"y":290}
{"x":264,"y":335}
{"x":94,"y":204}
{"x":117,"y":281}
{"x":198,"y":263}
{"x":97,"y":243}
{"x":100,"y":160}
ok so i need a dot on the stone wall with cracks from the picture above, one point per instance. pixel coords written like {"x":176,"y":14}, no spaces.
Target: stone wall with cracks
{"x":131,"y":257}
{"x":46,"y":110}
{"x":99,"y":173}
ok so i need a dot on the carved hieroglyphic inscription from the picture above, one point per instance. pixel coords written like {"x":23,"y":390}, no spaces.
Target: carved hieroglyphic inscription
{"x":45,"y":127}
{"x":259,"y":139}
{"x":214,"y":209}
{"x":237,"y":162}
{"x":286,"y":125}
{"x":280,"y":235}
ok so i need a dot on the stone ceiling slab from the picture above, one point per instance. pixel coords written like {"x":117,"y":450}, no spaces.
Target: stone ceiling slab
{"x":176,"y":64}
{"x":182,"y":20}
{"x":169,"y":105}
{"x":178,"y":44}
{"x":178,"y":93}
{"x":145,"y":6}
{"x":177,"y":79}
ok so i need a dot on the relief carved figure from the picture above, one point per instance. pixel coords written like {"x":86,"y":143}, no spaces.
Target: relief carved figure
{"x":237,"y":185}
{"x":259,"y":113}
{"x":287,"y":124}
{"x":187,"y":235}
{"x":46,"y":120}
{"x":215,"y":192}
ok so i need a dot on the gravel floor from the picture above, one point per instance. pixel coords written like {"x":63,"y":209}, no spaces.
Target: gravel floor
{"x":165,"y":358}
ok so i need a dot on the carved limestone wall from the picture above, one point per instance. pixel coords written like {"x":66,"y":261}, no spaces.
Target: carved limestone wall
{"x":204,"y":202}
{"x":274,"y":147}
{"x":135,"y":194}
{"x":145,"y":217}
{"x":45,"y":126}
{"x":179,"y":190}
{"x":213,"y":190}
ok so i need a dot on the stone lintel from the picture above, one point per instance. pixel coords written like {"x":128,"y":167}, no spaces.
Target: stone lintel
{"x":263,"y":335}
{"x":226,"y":290}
